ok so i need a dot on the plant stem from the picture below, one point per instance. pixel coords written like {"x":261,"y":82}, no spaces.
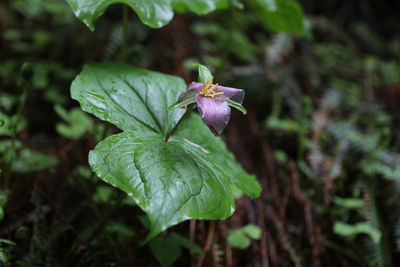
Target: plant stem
{"x":188,"y":109}
{"x":210,"y":237}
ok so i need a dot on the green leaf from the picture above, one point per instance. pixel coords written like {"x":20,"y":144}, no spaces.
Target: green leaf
{"x":121,"y":230}
{"x":168,"y":180}
{"x":189,"y":176}
{"x":3,"y":256}
{"x":154,"y":13}
{"x":166,"y":250}
{"x":237,"y":193}
{"x":282,"y":16}
{"x":349,"y":203}
{"x":78,"y":123}
{"x":188,"y":98}
{"x":6,"y":241}
{"x":240,"y":238}
{"x":4,"y":194}
{"x":200,"y":7}
{"x":200,"y":139}
{"x":103,"y":194}
{"x":204,"y":74}
{"x":186,"y":243}
{"x":252,"y":231}
{"x":286,"y":125}
{"x":351,"y":231}
{"x":11,"y":125}
{"x":131,"y":98}
{"x":237,"y":106}
{"x":32,"y":161}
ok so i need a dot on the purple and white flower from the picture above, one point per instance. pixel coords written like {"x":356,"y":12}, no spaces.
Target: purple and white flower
{"x":213,"y":103}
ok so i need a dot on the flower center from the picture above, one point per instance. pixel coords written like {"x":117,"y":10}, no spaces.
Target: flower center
{"x":208,"y":90}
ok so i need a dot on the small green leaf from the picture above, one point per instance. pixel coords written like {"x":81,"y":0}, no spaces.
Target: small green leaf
{"x":103,"y":194}
{"x":6,"y":241}
{"x":186,"y":243}
{"x":351,"y":231}
{"x":237,"y":106}
{"x":204,"y":74}
{"x":10,"y":125}
{"x":286,"y":125}
{"x":188,"y":98}
{"x":3,"y":256}
{"x":78,"y":123}
{"x":349,"y":203}
{"x":252,"y":231}
{"x":121,"y":230}
{"x":240,"y":238}
{"x":32,"y":161}
{"x":166,"y":250}
{"x":280,"y":156}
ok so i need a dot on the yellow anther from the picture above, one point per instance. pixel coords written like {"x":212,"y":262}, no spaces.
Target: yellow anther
{"x":214,"y":94}
{"x":209,"y":82}
{"x":209,"y":91}
{"x":213,"y":88}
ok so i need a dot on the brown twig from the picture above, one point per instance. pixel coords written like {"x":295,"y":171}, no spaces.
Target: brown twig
{"x":210,"y":237}
{"x":228,"y":250}
{"x":192,"y":234}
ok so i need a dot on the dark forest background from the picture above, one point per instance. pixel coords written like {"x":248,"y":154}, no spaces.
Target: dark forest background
{"x":321,"y":135}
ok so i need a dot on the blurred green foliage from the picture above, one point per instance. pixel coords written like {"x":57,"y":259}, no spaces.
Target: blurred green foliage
{"x":241,"y":237}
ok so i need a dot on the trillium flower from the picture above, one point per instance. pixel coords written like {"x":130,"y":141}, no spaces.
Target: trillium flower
{"x":213,"y":103}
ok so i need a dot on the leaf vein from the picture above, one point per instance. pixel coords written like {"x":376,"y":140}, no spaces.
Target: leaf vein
{"x":143,"y":102}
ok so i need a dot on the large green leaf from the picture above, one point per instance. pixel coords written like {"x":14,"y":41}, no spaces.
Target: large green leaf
{"x":168,"y":180}
{"x":200,"y":7}
{"x":282,"y":16}
{"x":189,"y":176}
{"x":154,"y":13}
{"x":130,"y":98}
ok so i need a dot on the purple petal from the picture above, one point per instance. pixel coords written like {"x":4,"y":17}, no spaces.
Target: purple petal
{"x":214,"y":112}
{"x":234,"y":94}
{"x":196,"y":86}
{"x":192,"y":86}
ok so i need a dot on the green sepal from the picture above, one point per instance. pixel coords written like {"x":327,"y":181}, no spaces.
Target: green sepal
{"x":237,"y":106}
{"x":189,"y":97}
